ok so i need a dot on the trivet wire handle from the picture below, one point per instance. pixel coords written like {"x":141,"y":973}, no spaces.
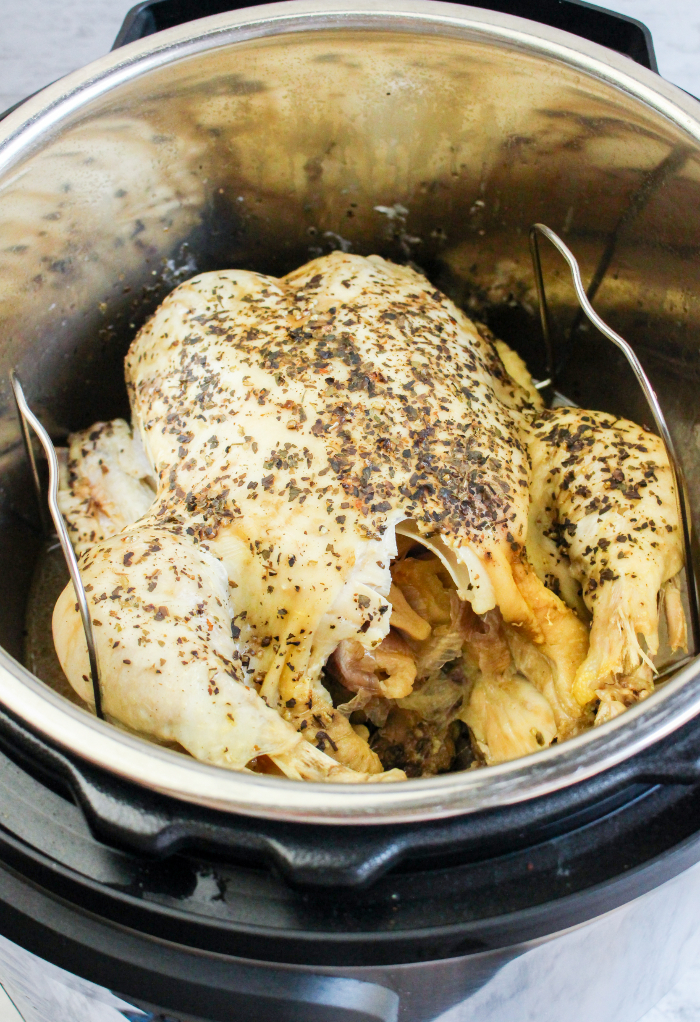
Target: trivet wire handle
{"x":28,"y":418}
{"x":642,"y":379}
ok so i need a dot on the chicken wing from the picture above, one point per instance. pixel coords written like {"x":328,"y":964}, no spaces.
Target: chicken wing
{"x":106,"y":483}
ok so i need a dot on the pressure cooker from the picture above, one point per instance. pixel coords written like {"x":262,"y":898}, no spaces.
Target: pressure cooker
{"x":138,"y":883}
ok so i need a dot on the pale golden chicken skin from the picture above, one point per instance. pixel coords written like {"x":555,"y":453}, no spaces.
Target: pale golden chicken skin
{"x":603,"y":495}
{"x":162,"y":621}
{"x":106,"y":483}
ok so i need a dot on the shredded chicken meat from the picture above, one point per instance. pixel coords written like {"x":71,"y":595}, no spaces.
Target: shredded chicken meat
{"x":343,"y":540}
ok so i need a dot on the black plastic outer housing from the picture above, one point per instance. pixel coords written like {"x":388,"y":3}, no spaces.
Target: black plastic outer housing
{"x":334,"y":857}
{"x":186,"y":933}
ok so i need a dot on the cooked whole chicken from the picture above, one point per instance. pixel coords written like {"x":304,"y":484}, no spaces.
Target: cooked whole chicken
{"x":345,"y":542}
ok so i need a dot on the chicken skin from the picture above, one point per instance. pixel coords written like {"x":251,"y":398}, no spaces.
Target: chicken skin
{"x":603,"y":498}
{"x":336,"y":479}
{"x":106,"y":483}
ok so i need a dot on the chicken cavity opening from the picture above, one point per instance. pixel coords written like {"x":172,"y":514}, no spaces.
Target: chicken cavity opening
{"x":405,"y":694}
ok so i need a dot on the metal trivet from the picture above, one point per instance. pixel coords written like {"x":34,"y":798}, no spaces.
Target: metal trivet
{"x":27,"y":418}
{"x":647,"y":389}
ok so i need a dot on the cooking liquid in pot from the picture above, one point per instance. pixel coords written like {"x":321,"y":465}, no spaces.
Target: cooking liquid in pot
{"x":50,"y":578}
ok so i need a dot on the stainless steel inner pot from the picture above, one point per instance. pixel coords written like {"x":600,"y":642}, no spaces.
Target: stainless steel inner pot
{"x":261,"y":138}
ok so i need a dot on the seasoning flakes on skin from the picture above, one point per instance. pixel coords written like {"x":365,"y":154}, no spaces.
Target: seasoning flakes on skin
{"x":350,"y":388}
{"x":603,"y":500}
{"x":106,"y":482}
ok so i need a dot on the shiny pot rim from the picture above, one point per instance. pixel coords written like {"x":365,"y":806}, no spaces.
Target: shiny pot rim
{"x":169,"y":773}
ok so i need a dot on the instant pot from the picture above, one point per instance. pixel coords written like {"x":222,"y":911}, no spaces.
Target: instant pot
{"x":138,"y":883}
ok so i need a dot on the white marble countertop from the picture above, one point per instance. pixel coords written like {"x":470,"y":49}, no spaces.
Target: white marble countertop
{"x":41,"y":40}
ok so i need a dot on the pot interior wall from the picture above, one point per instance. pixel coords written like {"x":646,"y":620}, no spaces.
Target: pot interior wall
{"x":264,"y":154}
